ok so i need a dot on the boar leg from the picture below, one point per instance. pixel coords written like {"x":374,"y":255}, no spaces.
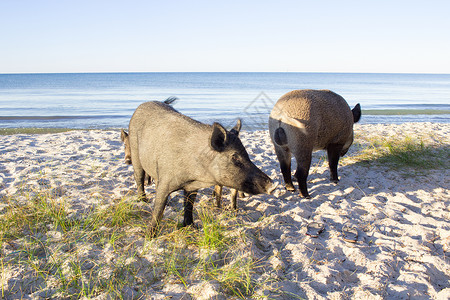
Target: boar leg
{"x":158,"y":210}
{"x":234,"y":193}
{"x":218,"y":196}
{"x":189,"y":199}
{"x":147,"y":179}
{"x":303,"y":164}
{"x":334,"y":152}
{"x":284,"y":157}
{"x":139,"y":176}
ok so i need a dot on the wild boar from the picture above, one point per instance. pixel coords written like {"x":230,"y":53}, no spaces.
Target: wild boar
{"x":181,"y":153}
{"x":303,"y":121}
{"x":217,"y":189}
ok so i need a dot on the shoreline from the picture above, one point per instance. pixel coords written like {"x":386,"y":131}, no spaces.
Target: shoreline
{"x":50,"y":130}
{"x":401,"y":214}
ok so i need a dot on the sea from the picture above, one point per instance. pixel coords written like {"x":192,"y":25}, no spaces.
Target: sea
{"x":108,"y":100}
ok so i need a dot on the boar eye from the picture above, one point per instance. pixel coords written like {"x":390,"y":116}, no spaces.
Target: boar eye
{"x":236,"y":159}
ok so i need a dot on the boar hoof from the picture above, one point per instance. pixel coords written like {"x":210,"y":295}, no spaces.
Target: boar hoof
{"x":143,"y":198}
{"x":334,"y":179}
{"x":305,"y":194}
{"x":290,"y":187}
{"x":152,"y":231}
{"x":191,"y":225}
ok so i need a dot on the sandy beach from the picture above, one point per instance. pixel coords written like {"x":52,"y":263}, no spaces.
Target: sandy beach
{"x":401,"y":215}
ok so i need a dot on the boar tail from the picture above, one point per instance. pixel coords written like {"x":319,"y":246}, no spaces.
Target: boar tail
{"x":170,"y":100}
{"x":280,"y":137}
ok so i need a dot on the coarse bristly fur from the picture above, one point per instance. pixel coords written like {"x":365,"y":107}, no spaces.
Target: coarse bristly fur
{"x":217,"y":189}
{"x":303,"y":121}
{"x":181,"y":153}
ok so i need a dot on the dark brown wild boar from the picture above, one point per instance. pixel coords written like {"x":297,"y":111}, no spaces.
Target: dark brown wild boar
{"x":303,"y":121}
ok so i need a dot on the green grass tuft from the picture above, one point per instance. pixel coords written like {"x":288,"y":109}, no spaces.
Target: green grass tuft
{"x":213,"y":233}
{"x":403,"y":152}
{"x":236,"y":278}
{"x":9,"y":131}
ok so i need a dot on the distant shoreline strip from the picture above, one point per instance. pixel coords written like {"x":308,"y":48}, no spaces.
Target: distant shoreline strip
{"x":44,"y":118}
{"x":393,"y":112}
{"x":374,"y":112}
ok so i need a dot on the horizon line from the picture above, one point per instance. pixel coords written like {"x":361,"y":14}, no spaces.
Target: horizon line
{"x":143,"y":72}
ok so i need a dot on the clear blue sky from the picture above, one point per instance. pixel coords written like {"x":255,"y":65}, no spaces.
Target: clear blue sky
{"x":190,"y":35}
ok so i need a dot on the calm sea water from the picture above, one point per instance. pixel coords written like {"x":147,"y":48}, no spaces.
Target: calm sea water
{"x":107,"y":100}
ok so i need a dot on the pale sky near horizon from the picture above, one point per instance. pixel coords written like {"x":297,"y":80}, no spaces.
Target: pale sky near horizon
{"x":224,"y":36}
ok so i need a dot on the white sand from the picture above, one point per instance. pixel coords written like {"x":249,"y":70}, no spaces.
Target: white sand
{"x":403,"y":219}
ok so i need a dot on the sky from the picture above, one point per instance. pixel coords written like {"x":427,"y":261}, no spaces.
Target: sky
{"x":383,"y":36}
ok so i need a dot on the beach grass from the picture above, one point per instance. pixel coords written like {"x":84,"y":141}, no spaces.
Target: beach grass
{"x":40,"y":235}
{"x":399,"y":152}
{"x":9,"y":131}
{"x":401,"y":112}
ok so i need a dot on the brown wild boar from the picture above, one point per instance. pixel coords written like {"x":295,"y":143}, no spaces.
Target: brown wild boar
{"x":303,"y":121}
{"x":181,"y":153}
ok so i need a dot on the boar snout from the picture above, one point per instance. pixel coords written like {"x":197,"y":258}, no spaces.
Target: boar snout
{"x":259,"y":184}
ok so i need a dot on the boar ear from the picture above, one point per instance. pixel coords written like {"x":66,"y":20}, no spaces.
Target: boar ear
{"x":218,"y":137}
{"x":237,"y":128}
{"x":123,"y":135}
{"x":356,"y":111}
